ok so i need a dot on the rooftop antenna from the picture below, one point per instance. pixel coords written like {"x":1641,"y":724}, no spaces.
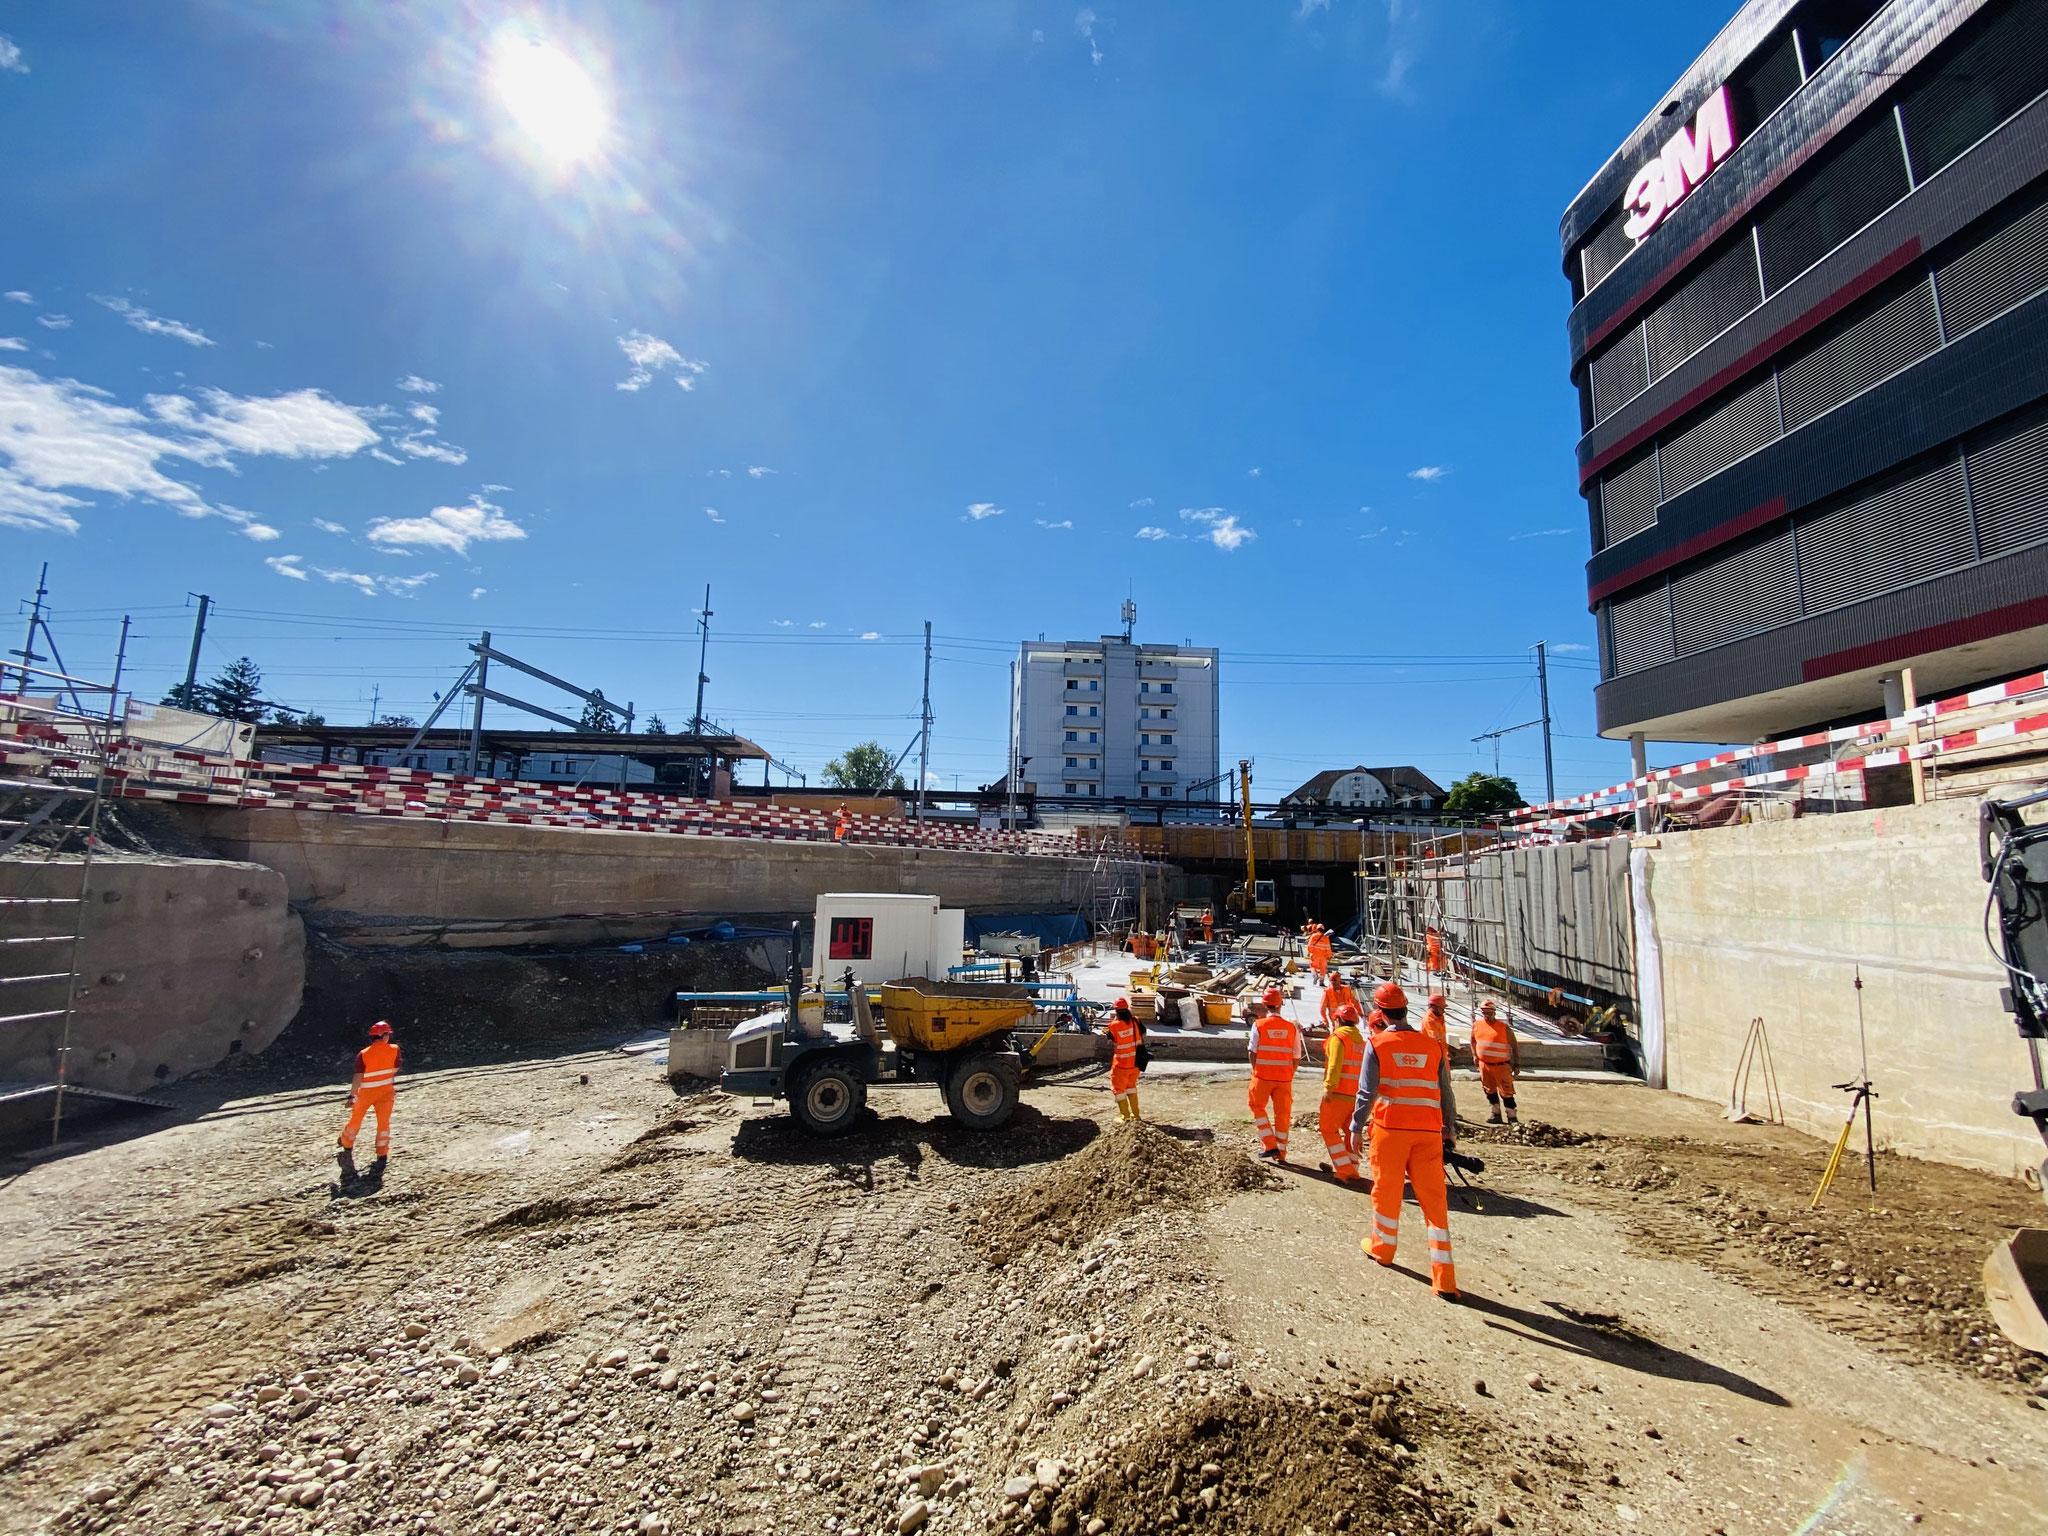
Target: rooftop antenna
{"x":1130,"y":616}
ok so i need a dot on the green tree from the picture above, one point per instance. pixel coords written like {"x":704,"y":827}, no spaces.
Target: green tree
{"x":283,"y":715}
{"x":1482,"y":794}
{"x":403,"y":722}
{"x":182,"y":697}
{"x":236,"y":692}
{"x":655,"y":727}
{"x":598,"y":715}
{"x":864,"y":769}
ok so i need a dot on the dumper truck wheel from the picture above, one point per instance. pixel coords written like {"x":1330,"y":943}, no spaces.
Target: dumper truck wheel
{"x":827,"y":1098}
{"x":982,"y":1093}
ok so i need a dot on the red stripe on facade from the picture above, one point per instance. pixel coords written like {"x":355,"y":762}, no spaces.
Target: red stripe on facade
{"x":1935,"y":637}
{"x":1756,"y":517}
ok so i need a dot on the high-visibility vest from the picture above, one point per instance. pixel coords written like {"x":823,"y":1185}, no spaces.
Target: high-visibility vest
{"x":1433,"y":1024}
{"x":1276,"y":1050}
{"x":1335,"y":996}
{"x":378,"y":1062}
{"x":1123,"y":1033}
{"x":1344,"y":1058}
{"x":1492,"y":1040}
{"x":1410,"y":1093}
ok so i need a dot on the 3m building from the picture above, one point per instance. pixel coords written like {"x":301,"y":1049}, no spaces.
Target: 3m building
{"x":1110,"y":719}
{"x":1810,"y":338}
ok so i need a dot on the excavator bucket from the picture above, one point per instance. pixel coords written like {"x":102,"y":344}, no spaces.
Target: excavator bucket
{"x":2016,"y":1288}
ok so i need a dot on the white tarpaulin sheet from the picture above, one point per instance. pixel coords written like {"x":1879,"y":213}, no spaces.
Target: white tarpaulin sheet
{"x":159,"y":725}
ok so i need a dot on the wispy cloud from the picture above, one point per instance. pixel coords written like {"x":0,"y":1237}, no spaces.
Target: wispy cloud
{"x":651,"y":357}
{"x":288,"y":565}
{"x":1428,"y":472}
{"x":817,"y":623}
{"x":1063,"y":523}
{"x":262,"y":533}
{"x":61,"y":440}
{"x":1221,"y":528}
{"x":1310,"y":7}
{"x":981,"y":511}
{"x":1084,"y":23}
{"x":782,"y":623}
{"x":1405,"y":22}
{"x":721,"y":474}
{"x":1570,"y":648}
{"x":54,"y":322}
{"x":12,"y":344}
{"x":451,"y":528}
{"x":422,"y":412}
{"x":1537,"y":533}
{"x":1153,"y":533}
{"x":373,"y":586}
{"x":1253,"y":473}
{"x":10,"y":57}
{"x":326,"y":527}
{"x":477,"y":592}
{"x":413,"y":384}
{"x":18,"y":296}
{"x":1142,"y":501}
{"x":759,"y":471}
{"x":872,"y":635}
{"x":712,"y":513}
{"x":154,"y":325}
{"x":427,"y":444}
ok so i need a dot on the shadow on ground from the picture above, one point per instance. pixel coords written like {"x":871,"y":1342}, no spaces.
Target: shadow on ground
{"x":1031,"y":1137}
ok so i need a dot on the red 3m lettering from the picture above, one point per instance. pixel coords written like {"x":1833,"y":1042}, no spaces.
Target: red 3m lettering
{"x":1687,"y":159}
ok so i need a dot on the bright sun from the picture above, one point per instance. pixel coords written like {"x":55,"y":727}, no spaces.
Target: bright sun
{"x":550,"y":97}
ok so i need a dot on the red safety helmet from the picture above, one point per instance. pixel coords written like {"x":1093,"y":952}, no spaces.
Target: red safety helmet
{"x":1436,"y":1002}
{"x":1388,"y":994}
{"x":1122,"y":1005}
{"x":1272,"y":999}
{"x":1348,"y":1013}
{"x":379,"y":1030}
{"x":1376,"y":1019}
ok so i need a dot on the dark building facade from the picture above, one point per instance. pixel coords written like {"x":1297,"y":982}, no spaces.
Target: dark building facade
{"x":1810,"y":338}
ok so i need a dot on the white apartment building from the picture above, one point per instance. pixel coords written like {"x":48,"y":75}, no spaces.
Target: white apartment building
{"x":1112,"y":719}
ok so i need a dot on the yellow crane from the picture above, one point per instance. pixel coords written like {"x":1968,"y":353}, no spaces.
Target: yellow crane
{"x":1254,"y":898}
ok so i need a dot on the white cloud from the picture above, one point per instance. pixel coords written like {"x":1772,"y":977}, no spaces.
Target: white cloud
{"x":155,"y":325}
{"x":817,"y":623}
{"x":451,"y":528}
{"x":782,"y":623}
{"x":712,"y":513}
{"x":1153,"y":533}
{"x":372,"y":586}
{"x":10,"y":56}
{"x":1084,"y":23}
{"x":1142,"y":501}
{"x":1254,"y":472}
{"x":1065,"y":523}
{"x":326,"y":527}
{"x":18,"y":296}
{"x":1428,"y":472}
{"x":650,"y":355}
{"x":477,"y":592}
{"x":413,"y":384}
{"x":59,"y":437}
{"x":12,"y":344}
{"x":1537,"y":533}
{"x":388,"y":458}
{"x":262,"y":533}
{"x":1223,"y":528}
{"x":1570,"y":648}
{"x":419,"y":410}
{"x":287,"y":565}
{"x":54,"y":322}
{"x":872,"y":635}
{"x":426,"y":445}
{"x":981,"y":511}
{"x":1310,"y":7}
{"x":722,"y":474}
{"x":759,"y":471}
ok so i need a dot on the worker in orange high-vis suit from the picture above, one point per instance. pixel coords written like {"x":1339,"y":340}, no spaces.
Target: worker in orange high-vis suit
{"x":1433,"y":951}
{"x":842,"y":823}
{"x":1406,"y":1103}
{"x":1343,"y":1062}
{"x":1275,"y":1051}
{"x":1498,"y":1055}
{"x":1208,"y":927}
{"x":1433,"y":1020}
{"x":1318,"y":952}
{"x":374,"y":1087}
{"x":1125,"y":1035}
{"x":1337,"y":997}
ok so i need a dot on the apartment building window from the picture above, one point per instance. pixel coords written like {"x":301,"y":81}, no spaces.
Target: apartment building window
{"x":1092,"y":763}
{"x":1073,"y":789}
{"x":1093,"y":738}
{"x":1073,"y":682}
{"x":1073,"y":762}
{"x":1166,"y":687}
{"x":1093,"y":711}
{"x":1073,"y":735}
{"x":1073,"y":709}
{"x":1094,"y":789}
{"x":1144,"y":741}
{"x":1144,"y":687}
{"x":1166,"y":741}
{"x":1094,"y":686}
{"x":1144,"y":791}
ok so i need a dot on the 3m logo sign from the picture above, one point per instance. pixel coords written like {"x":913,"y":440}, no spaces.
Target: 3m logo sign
{"x":1687,"y":160}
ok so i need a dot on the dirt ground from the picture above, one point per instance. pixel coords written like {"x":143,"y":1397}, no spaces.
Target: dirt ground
{"x":577,"y":1301}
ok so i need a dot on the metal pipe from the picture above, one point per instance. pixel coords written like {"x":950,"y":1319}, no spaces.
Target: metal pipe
{"x":476,"y":724}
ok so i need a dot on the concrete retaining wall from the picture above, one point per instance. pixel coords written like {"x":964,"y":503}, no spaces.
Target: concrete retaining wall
{"x":399,"y":867}
{"x":1771,"y":920}
{"x":184,"y":962}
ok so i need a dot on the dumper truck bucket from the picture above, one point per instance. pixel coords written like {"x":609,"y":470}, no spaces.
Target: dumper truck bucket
{"x":2016,"y":1288}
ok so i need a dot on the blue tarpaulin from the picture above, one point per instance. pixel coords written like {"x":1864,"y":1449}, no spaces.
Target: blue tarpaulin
{"x":1052,"y":928}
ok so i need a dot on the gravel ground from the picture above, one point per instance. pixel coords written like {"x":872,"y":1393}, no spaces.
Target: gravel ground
{"x":577,"y":1301}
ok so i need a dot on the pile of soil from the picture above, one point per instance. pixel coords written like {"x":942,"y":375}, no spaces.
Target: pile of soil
{"x":1260,"y":1464}
{"x":1131,"y":1165}
{"x":1526,"y":1133}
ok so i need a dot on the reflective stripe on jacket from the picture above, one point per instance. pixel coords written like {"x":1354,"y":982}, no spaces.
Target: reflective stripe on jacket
{"x":1492,"y":1040}
{"x":1276,"y":1049}
{"x":378,"y":1062}
{"x":1410,"y":1096}
{"x":1335,"y":996}
{"x":1343,"y":1060}
{"x":1123,"y":1033}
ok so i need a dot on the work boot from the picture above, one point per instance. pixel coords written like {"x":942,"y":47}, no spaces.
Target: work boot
{"x":1513,"y":1118}
{"x":1133,"y":1101}
{"x":1269,"y":1154}
{"x":1493,"y":1114}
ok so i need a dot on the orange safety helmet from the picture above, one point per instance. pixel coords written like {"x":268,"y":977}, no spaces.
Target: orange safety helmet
{"x":1348,"y":1013}
{"x":379,"y":1030}
{"x":1388,"y":994}
{"x":1376,"y":1019}
{"x":1487,"y":1007}
{"x":1273,"y":999}
{"x":1122,"y":1005}
{"x":1436,"y":1002}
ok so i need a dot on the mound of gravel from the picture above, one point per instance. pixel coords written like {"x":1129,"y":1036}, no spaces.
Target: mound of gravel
{"x":1131,"y":1165}
{"x":1529,"y":1133}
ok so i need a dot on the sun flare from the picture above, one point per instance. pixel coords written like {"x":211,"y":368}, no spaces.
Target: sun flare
{"x":550,"y":97}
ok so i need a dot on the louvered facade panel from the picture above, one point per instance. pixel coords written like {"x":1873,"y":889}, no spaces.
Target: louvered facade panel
{"x":1704,"y":305}
{"x":2001,"y":264}
{"x":1628,"y":498}
{"x":1604,"y":249}
{"x":1990,"y":74}
{"x":1893,"y":335}
{"x":1618,"y":373}
{"x":1642,"y":630}
{"x":1902,"y":530}
{"x":1736,"y":592}
{"x":1864,"y":174}
{"x":2009,"y":485}
{"x":1739,"y":425}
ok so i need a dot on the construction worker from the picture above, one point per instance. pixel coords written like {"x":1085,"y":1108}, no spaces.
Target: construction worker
{"x":1208,"y":926}
{"x":1406,"y":1101}
{"x":1433,"y":1019}
{"x":1498,"y":1055}
{"x":1318,"y":952}
{"x":1433,"y":951}
{"x":842,"y":823}
{"x":1125,"y":1034}
{"x":1343,"y":1061}
{"x":1274,"y":1048}
{"x":374,"y":1087}
{"x":1337,"y":997}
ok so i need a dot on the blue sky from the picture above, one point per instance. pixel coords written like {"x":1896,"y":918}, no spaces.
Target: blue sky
{"x":983,"y":313}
